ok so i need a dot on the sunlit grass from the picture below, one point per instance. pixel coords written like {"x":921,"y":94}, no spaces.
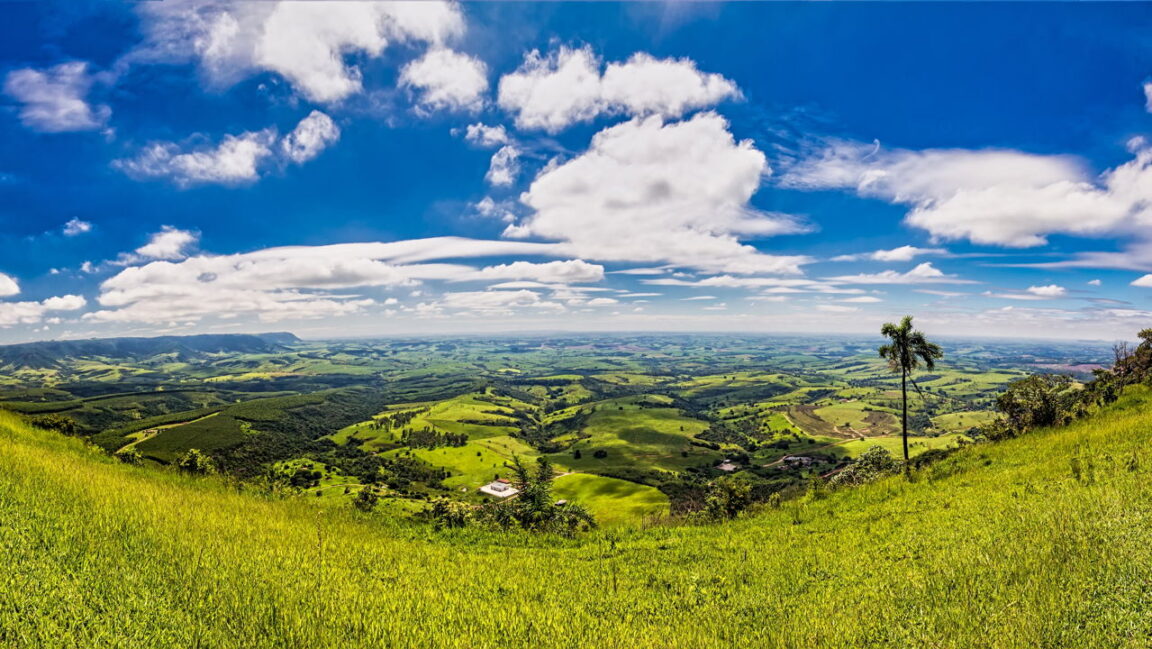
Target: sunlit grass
{"x":1007,"y":545}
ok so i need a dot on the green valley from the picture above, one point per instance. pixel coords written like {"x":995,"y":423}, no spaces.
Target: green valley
{"x":643,"y":422}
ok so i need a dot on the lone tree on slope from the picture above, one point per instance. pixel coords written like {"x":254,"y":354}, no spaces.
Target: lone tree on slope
{"x":904,"y":353}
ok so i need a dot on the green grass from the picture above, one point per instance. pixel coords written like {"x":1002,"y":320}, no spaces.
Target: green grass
{"x":1042,"y":541}
{"x":477,"y":462}
{"x":895,"y":445}
{"x":612,"y":501}
{"x":477,"y":415}
{"x":853,"y":414}
{"x":961,"y":421}
{"x":635,"y":437}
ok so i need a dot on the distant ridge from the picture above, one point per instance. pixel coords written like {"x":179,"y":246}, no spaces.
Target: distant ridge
{"x":49,"y":353}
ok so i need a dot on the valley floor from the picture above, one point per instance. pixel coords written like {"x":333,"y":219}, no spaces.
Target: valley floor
{"x":1042,"y":541}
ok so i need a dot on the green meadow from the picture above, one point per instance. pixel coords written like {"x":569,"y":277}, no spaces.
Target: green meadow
{"x":613,"y":501}
{"x":479,"y":461}
{"x":895,"y":445}
{"x":632,"y":433}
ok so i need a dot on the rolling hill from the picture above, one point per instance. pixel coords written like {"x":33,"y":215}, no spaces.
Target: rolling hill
{"x":47,"y":354}
{"x":1040,"y":541}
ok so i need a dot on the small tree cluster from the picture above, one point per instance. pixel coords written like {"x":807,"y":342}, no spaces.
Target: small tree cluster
{"x":448,"y":512}
{"x":727,"y":498}
{"x":535,"y":508}
{"x":59,"y":423}
{"x":366,"y":499}
{"x":874,"y":463}
{"x":194,"y":461}
{"x":130,"y":456}
{"x":1033,"y":402}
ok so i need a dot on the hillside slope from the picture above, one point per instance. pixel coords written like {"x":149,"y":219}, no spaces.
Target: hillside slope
{"x":50,"y":353}
{"x":1043,"y":541}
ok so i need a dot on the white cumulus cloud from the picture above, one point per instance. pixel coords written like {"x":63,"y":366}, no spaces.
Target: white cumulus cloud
{"x":235,"y":160}
{"x":168,"y":243}
{"x":302,"y":282}
{"x":565,"y":87}
{"x":925,"y":273}
{"x":903,"y":253}
{"x":998,"y":197}
{"x":552,"y":272}
{"x":8,"y":286}
{"x":312,"y":135}
{"x":310,"y":44}
{"x":648,"y":191}
{"x":76,"y":226}
{"x":505,"y":166}
{"x":447,"y":80}
{"x":14,"y":313}
{"x":55,"y":100}
{"x":486,"y":136}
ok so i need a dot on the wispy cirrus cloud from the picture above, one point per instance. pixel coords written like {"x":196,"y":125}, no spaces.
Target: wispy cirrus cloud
{"x":925,"y":273}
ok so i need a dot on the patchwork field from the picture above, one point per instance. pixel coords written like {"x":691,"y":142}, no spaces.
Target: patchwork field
{"x":629,"y":433}
{"x":859,"y":416}
{"x":894,"y":444}
{"x":422,"y":419}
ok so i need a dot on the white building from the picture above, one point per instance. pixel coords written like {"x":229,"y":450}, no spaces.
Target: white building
{"x":500,"y":488}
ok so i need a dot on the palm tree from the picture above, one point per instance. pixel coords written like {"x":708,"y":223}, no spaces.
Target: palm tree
{"x":904,"y":354}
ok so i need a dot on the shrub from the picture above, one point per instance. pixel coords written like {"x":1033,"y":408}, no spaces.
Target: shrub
{"x":130,"y":456}
{"x":877,"y":461}
{"x":193,"y":461}
{"x":59,"y":423}
{"x":448,"y":512}
{"x":1037,"y":401}
{"x":366,"y":499}
{"x":727,"y":498}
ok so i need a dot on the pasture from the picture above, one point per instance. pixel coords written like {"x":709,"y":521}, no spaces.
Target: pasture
{"x":612,"y":501}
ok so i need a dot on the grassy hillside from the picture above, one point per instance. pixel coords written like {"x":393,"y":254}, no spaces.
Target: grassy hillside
{"x":1041,"y":541}
{"x":610,"y":500}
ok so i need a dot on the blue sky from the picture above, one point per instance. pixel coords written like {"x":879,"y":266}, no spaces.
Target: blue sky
{"x":372,"y":168}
